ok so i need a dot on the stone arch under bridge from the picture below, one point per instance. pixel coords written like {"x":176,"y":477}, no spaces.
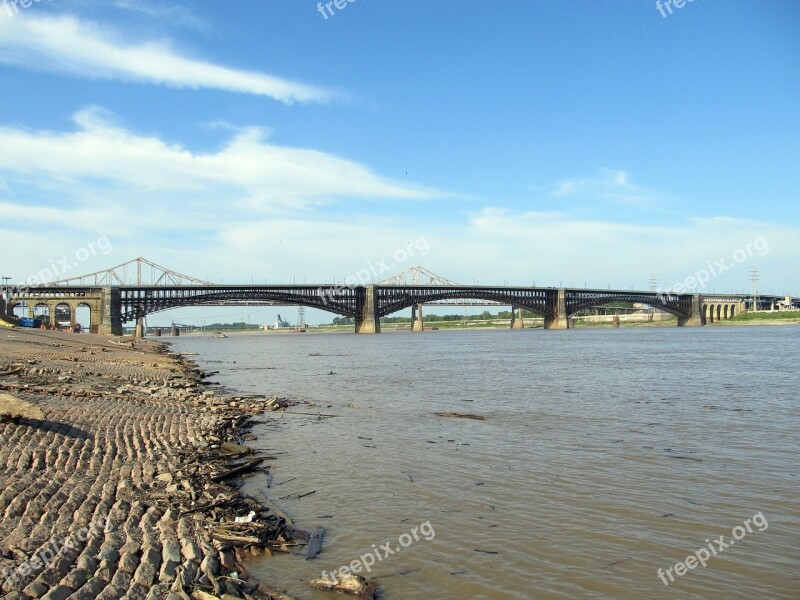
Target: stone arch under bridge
{"x":41,"y":303}
{"x":720,"y":310}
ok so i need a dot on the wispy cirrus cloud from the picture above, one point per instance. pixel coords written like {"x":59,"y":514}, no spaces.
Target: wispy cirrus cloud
{"x":174,"y":13}
{"x":609,"y":185}
{"x":87,"y":49}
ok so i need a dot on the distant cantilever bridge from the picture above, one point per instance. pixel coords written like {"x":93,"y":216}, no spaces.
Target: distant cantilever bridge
{"x":133,"y":290}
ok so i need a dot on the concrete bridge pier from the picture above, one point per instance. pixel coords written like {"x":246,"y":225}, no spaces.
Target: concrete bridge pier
{"x":367,"y":321}
{"x":516,"y":318}
{"x":110,"y":322}
{"x":695,"y":319}
{"x":416,"y":318}
{"x":139,"y":331}
{"x":559,"y":320}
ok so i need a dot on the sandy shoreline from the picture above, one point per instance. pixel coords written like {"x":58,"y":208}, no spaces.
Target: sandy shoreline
{"x":114,"y":494}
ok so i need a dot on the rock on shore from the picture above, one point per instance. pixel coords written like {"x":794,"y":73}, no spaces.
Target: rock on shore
{"x":13,"y":409}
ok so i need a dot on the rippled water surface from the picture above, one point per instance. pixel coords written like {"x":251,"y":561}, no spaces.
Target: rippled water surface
{"x":605,"y":455}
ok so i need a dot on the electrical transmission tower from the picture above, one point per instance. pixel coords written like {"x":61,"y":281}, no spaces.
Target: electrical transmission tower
{"x":754,"y":278}
{"x":301,"y":316}
{"x":653,"y":284}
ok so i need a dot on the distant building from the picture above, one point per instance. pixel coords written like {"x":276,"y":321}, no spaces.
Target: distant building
{"x":281,"y":324}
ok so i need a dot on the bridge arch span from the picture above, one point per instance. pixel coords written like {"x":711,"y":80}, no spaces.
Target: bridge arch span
{"x":140,"y":302}
{"x":673,"y":304}
{"x":394,"y":299}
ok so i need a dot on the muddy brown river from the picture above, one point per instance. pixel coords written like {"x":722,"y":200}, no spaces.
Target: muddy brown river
{"x":605,"y":456}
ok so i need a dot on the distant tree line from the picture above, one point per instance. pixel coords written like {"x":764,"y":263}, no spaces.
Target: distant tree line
{"x":484,"y":316}
{"x":240,"y":326}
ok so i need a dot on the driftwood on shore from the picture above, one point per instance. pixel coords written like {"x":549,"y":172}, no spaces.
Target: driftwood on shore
{"x":348,"y":583}
{"x":246,"y":467}
{"x":261,"y":496}
{"x":313,"y":539}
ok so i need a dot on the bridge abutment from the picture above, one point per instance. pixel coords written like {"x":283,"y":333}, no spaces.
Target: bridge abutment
{"x":695,"y":319}
{"x":367,"y":321}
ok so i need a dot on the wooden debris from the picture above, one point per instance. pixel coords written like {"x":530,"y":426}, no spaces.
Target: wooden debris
{"x":312,"y":538}
{"x":461,"y":415}
{"x":315,"y":543}
{"x":248,"y":466}
{"x":274,"y":403}
{"x":261,"y":496}
{"x":349,"y":584}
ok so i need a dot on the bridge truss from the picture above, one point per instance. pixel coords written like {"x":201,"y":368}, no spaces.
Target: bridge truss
{"x":136,"y":272}
{"x":420,"y":277}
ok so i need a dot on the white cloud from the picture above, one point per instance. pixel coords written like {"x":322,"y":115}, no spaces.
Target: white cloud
{"x":608,"y":184}
{"x":65,"y":44}
{"x":555,"y":248}
{"x":493,"y":245}
{"x":174,"y":13}
{"x":250,"y":208}
{"x":247,"y":173}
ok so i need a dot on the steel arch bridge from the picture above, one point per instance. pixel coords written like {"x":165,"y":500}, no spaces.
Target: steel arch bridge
{"x":138,"y":302}
{"x":367,"y":304}
{"x":133,"y":290}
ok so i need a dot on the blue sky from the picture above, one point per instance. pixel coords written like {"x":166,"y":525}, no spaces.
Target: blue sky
{"x":573,"y":143}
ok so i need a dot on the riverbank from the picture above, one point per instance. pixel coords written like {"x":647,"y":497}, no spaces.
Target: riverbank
{"x":782,"y":317}
{"x":122,"y":490}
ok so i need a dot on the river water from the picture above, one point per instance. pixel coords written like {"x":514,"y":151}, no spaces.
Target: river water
{"x":605,"y":456}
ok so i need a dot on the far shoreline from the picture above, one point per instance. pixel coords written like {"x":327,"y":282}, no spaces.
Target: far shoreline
{"x":499,"y":324}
